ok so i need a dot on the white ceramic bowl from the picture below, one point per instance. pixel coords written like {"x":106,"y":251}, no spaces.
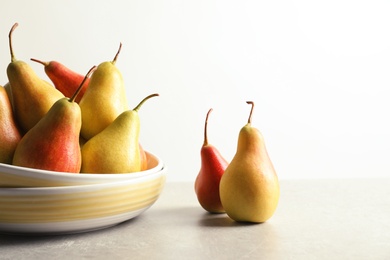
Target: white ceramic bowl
{"x":15,"y":176}
{"x":70,"y":209}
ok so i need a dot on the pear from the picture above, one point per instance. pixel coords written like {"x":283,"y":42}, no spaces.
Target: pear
{"x":9,"y":131}
{"x":144,"y":158}
{"x":213,"y":166}
{"x":104,"y":99}
{"x":116,"y":149}
{"x":32,"y":97}
{"x":7,"y":87}
{"x":64,"y":79}
{"x":249,"y":188}
{"x":53,"y":143}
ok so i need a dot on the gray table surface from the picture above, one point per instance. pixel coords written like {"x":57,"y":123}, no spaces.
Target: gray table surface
{"x":315,"y":219}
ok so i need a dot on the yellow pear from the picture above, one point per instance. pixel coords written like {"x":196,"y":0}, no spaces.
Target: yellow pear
{"x":249,"y":188}
{"x":116,"y":149}
{"x":104,"y":99}
{"x":32,"y":97}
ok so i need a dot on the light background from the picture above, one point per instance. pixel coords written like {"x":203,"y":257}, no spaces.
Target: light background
{"x":318,"y":72}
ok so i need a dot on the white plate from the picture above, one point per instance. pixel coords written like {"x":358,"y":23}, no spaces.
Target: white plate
{"x":72,"y":209}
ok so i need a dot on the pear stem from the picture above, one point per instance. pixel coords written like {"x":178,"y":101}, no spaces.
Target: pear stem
{"x":143,"y":101}
{"x":206,"y":142}
{"x":82,"y":83}
{"x":117,"y":53}
{"x":250,"y":114}
{"x":10,"y":42}
{"x":44,"y":63}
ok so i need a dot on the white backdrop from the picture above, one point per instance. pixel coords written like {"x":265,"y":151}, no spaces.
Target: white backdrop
{"x":318,"y":72}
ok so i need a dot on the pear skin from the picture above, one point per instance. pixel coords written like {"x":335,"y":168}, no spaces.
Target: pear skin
{"x":104,"y":100}
{"x":207,"y":181}
{"x":144,"y":158}
{"x":9,"y":131}
{"x":64,"y":79}
{"x":53,"y":143}
{"x":249,"y":188}
{"x":116,"y":149}
{"x":7,"y":87}
{"x":32,"y":97}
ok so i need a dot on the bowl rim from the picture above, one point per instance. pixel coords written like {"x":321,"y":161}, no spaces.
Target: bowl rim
{"x":77,"y":177}
{"x":11,"y":191}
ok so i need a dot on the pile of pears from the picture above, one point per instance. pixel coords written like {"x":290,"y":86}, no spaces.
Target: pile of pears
{"x":247,"y":188}
{"x":75,"y":123}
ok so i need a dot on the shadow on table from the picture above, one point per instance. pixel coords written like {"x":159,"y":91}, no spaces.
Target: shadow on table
{"x":19,"y":239}
{"x":221,"y":220}
{"x":189,"y":215}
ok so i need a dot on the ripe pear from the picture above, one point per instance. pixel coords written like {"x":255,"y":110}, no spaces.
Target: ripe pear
{"x":53,"y":143}
{"x":9,"y":131}
{"x":64,"y":79}
{"x":144,"y":158}
{"x":213,"y":166}
{"x":249,"y":188}
{"x":32,"y":96}
{"x":7,"y":87}
{"x":104,"y":99}
{"x":116,"y":149}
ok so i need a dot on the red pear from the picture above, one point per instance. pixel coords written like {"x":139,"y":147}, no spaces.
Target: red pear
{"x":213,"y":166}
{"x":9,"y":132}
{"x":64,"y":79}
{"x":53,"y":143}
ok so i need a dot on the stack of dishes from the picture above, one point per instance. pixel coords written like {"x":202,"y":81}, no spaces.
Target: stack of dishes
{"x":45,"y":202}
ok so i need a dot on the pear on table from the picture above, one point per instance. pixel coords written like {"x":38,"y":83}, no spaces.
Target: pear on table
{"x":105,"y":97}
{"x":32,"y":97}
{"x":249,"y":188}
{"x":207,"y":181}
{"x":115,"y":149}
{"x":64,"y":79}
{"x":9,"y":131}
{"x":53,"y":143}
